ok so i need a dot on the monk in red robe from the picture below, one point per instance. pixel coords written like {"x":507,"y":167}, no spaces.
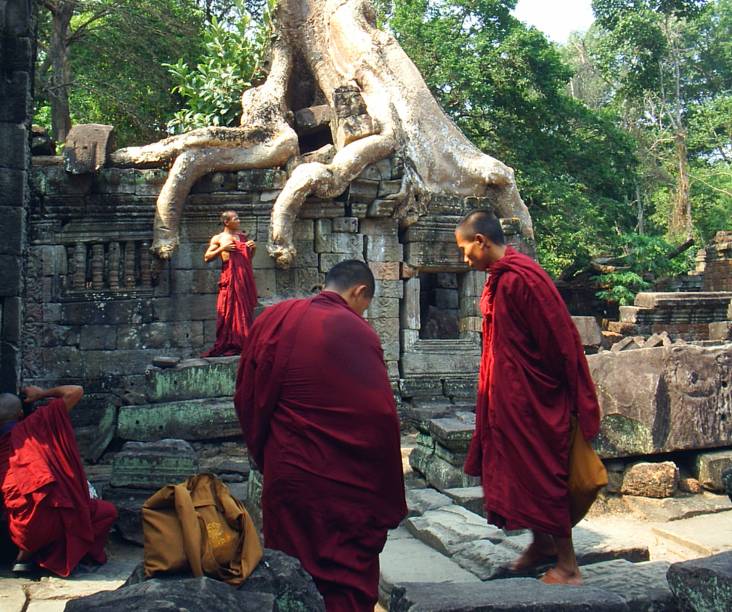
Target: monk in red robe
{"x":319,"y":419}
{"x":43,"y":487}
{"x":237,"y":291}
{"x":533,"y":378}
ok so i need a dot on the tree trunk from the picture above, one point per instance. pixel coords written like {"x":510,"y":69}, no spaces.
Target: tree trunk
{"x":681,"y":223}
{"x":380,"y":105}
{"x":58,"y":90}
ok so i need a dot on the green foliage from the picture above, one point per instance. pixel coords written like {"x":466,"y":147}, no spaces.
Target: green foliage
{"x":504,"y":84}
{"x":645,"y":260}
{"x":230,"y":63}
{"x":116,"y":51}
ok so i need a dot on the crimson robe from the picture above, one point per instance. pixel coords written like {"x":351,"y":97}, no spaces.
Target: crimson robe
{"x":319,"y":419}
{"x":46,"y":495}
{"x":533,"y":376}
{"x":235,"y":303}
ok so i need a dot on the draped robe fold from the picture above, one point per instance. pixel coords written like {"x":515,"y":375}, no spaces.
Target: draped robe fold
{"x":533,"y":376}
{"x":319,"y":419}
{"x":45,"y":493}
{"x":235,"y":302}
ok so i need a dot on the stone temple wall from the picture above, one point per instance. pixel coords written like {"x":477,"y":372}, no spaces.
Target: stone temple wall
{"x":98,"y":309}
{"x":16,"y":77}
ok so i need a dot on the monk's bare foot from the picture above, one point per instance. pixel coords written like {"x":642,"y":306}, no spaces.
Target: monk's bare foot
{"x":557,"y":575}
{"x":23,"y":556}
{"x":534,"y":556}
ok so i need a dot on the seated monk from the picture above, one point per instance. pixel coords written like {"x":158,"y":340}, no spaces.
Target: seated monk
{"x":319,"y":419}
{"x":237,"y":291}
{"x":43,"y":487}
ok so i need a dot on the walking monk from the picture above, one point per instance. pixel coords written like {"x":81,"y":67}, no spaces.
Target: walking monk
{"x":50,"y":516}
{"x":319,"y":418}
{"x":533,"y":378}
{"x":237,"y":292}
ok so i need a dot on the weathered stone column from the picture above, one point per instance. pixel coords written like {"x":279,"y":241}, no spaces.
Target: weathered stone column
{"x":17,"y":56}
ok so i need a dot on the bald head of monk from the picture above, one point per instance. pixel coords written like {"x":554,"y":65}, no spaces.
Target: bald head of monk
{"x":479,"y":237}
{"x":354,"y":282}
{"x":11,"y":408}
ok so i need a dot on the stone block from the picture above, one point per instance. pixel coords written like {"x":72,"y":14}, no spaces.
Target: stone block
{"x":485,"y":559}
{"x":470,"y":498}
{"x":13,"y":145}
{"x":420,"y":501}
{"x":651,"y":479}
{"x":98,"y":337}
{"x":107,"y":312}
{"x":663,"y":400}
{"x":385,"y":270}
{"x":104,"y":363}
{"x":87,"y":147}
{"x":383,"y":248}
{"x":12,"y":596}
{"x":346,"y":225}
{"x":51,"y":313}
{"x":410,"y":308}
{"x":306,"y":255}
{"x":389,"y":289}
{"x":643,"y":586}
{"x":690,"y":485}
{"x":206,"y":419}
{"x":454,"y":433}
{"x":11,"y":319}
{"x":12,"y":229}
{"x":509,"y":594}
{"x":407,"y":560}
{"x":720,"y":331}
{"x":427,"y":388}
{"x":348,"y":244}
{"x":381,"y":208}
{"x":62,"y":362}
{"x":216,"y":181}
{"x":152,"y":465}
{"x":312,"y":119}
{"x":261,"y":180}
{"x":328,"y":260}
{"x":380,"y":227}
{"x":10,"y":266}
{"x":461,"y":389}
{"x":363,"y":190}
{"x":710,"y":467}
{"x":17,"y":19}
{"x":383,"y":308}
{"x":589,"y":330}
{"x":438,"y":472}
{"x":192,"y":379}
{"x":703,"y":584}
{"x":15,"y":91}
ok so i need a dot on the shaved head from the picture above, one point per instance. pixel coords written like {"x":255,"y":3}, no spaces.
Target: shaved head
{"x":482,"y":222}
{"x":349,"y":273}
{"x":11,"y":408}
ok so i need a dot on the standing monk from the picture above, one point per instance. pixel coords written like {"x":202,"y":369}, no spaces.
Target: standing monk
{"x":51,"y":518}
{"x":237,"y":292}
{"x":319,"y":418}
{"x":533,"y":378}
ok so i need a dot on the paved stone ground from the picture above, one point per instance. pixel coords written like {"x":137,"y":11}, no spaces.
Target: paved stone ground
{"x":625,"y":548}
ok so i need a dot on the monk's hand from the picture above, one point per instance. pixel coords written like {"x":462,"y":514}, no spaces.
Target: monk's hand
{"x":31,"y":394}
{"x":251,"y":244}
{"x":229,"y":247}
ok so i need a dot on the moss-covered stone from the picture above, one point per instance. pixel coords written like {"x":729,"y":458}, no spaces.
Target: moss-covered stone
{"x":192,"y":380}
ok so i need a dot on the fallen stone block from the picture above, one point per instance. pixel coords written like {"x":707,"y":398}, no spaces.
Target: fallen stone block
{"x":470,"y":498}
{"x":192,"y":379}
{"x":151,"y":465}
{"x":504,"y":595}
{"x":449,"y":528}
{"x":129,"y":511}
{"x":207,"y":419}
{"x":589,"y":330}
{"x":406,"y":559}
{"x":703,"y":584}
{"x":420,"y":501}
{"x":484,"y":559}
{"x":710,"y":466}
{"x":643,"y":586}
{"x":651,"y":479}
{"x":191,"y":594}
{"x":703,"y":535}
{"x":438,"y":472}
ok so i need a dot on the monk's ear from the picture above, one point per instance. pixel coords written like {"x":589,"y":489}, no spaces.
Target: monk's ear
{"x":482,"y":241}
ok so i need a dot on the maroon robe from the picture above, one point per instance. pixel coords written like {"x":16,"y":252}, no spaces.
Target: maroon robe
{"x":46,"y":495}
{"x":319,"y":419}
{"x":235,"y":303}
{"x":533,"y":375}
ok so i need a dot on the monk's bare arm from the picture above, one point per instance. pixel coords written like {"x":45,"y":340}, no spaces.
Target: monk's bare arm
{"x":70,"y":394}
{"x":213,"y":251}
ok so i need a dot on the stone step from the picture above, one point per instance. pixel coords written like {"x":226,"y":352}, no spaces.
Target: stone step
{"x":192,"y":379}
{"x":643,"y":586}
{"x":449,"y":528}
{"x":504,"y":595}
{"x":703,"y":584}
{"x":406,"y":559}
{"x":470,"y":498}
{"x":202,"y":419}
{"x":707,"y":534}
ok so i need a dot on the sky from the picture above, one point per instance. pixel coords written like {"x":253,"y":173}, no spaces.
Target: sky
{"x":556,"y":18}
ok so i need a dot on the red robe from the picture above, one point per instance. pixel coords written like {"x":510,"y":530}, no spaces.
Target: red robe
{"x":533,"y":375}
{"x":235,"y":303}
{"x":319,"y":419}
{"x":45,"y":493}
